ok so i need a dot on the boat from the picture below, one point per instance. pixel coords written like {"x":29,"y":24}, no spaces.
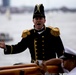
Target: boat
{"x":26,"y":69}
{"x":8,"y":14}
{"x":5,"y":37}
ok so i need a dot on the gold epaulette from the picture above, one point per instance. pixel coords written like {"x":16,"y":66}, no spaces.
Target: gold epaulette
{"x":55,"y":31}
{"x":25,"y":33}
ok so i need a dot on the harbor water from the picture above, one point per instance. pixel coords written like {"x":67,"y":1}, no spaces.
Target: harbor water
{"x":19,"y":22}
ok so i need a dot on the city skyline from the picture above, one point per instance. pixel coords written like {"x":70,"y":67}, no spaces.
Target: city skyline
{"x":46,"y":3}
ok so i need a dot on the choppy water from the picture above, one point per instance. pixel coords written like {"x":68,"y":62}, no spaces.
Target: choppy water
{"x":19,"y":22}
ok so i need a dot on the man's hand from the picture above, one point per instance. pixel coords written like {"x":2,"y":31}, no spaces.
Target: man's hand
{"x":42,"y":66}
{"x":2,"y":45}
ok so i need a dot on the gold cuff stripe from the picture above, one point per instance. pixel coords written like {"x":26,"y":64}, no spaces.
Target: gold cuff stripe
{"x":11,"y":49}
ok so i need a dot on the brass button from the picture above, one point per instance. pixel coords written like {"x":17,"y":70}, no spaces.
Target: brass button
{"x":42,"y":36}
{"x":36,"y":49}
{"x":43,"y":53}
{"x":35,"y":41}
{"x":36,"y":53}
{"x":43,"y":49}
{"x":42,"y":45}
{"x":43,"y":57}
{"x":42,"y":40}
{"x":36,"y":57}
{"x":35,"y":45}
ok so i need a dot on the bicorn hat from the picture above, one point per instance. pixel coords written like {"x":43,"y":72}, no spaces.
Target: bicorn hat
{"x":39,"y":11}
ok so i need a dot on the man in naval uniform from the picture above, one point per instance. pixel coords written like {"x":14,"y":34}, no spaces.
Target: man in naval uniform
{"x":43,"y":42}
{"x":67,"y":62}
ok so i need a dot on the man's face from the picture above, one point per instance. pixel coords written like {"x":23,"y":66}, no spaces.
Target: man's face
{"x":39,"y":22}
{"x":68,"y":64}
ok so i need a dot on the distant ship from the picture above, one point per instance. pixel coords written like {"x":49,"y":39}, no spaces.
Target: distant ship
{"x":8,"y":14}
{"x":5,"y":37}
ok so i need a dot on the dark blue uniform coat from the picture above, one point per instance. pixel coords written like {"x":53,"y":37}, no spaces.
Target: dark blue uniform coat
{"x":42,"y":46}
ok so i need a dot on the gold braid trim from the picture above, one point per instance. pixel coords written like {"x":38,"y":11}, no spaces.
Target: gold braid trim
{"x":25,"y":33}
{"x":38,"y":7}
{"x":55,"y":31}
{"x":35,"y":49}
{"x":11,"y":49}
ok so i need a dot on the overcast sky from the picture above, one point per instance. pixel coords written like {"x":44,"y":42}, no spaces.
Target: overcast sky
{"x":47,"y":3}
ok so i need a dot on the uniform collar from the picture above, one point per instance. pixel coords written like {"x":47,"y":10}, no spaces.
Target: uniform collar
{"x":43,"y":28}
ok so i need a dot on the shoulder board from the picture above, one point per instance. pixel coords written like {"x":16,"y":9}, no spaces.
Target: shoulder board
{"x":55,"y":31}
{"x":25,"y":33}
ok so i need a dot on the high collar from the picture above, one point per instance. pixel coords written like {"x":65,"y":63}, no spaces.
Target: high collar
{"x":42,"y":29}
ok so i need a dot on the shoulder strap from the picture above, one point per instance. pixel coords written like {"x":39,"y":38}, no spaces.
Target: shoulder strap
{"x":25,"y":33}
{"x":55,"y":31}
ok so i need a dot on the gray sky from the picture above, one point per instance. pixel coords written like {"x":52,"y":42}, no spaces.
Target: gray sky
{"x":47,"y":3}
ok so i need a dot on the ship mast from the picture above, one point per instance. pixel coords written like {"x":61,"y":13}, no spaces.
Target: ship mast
{"x":6,"y":5}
